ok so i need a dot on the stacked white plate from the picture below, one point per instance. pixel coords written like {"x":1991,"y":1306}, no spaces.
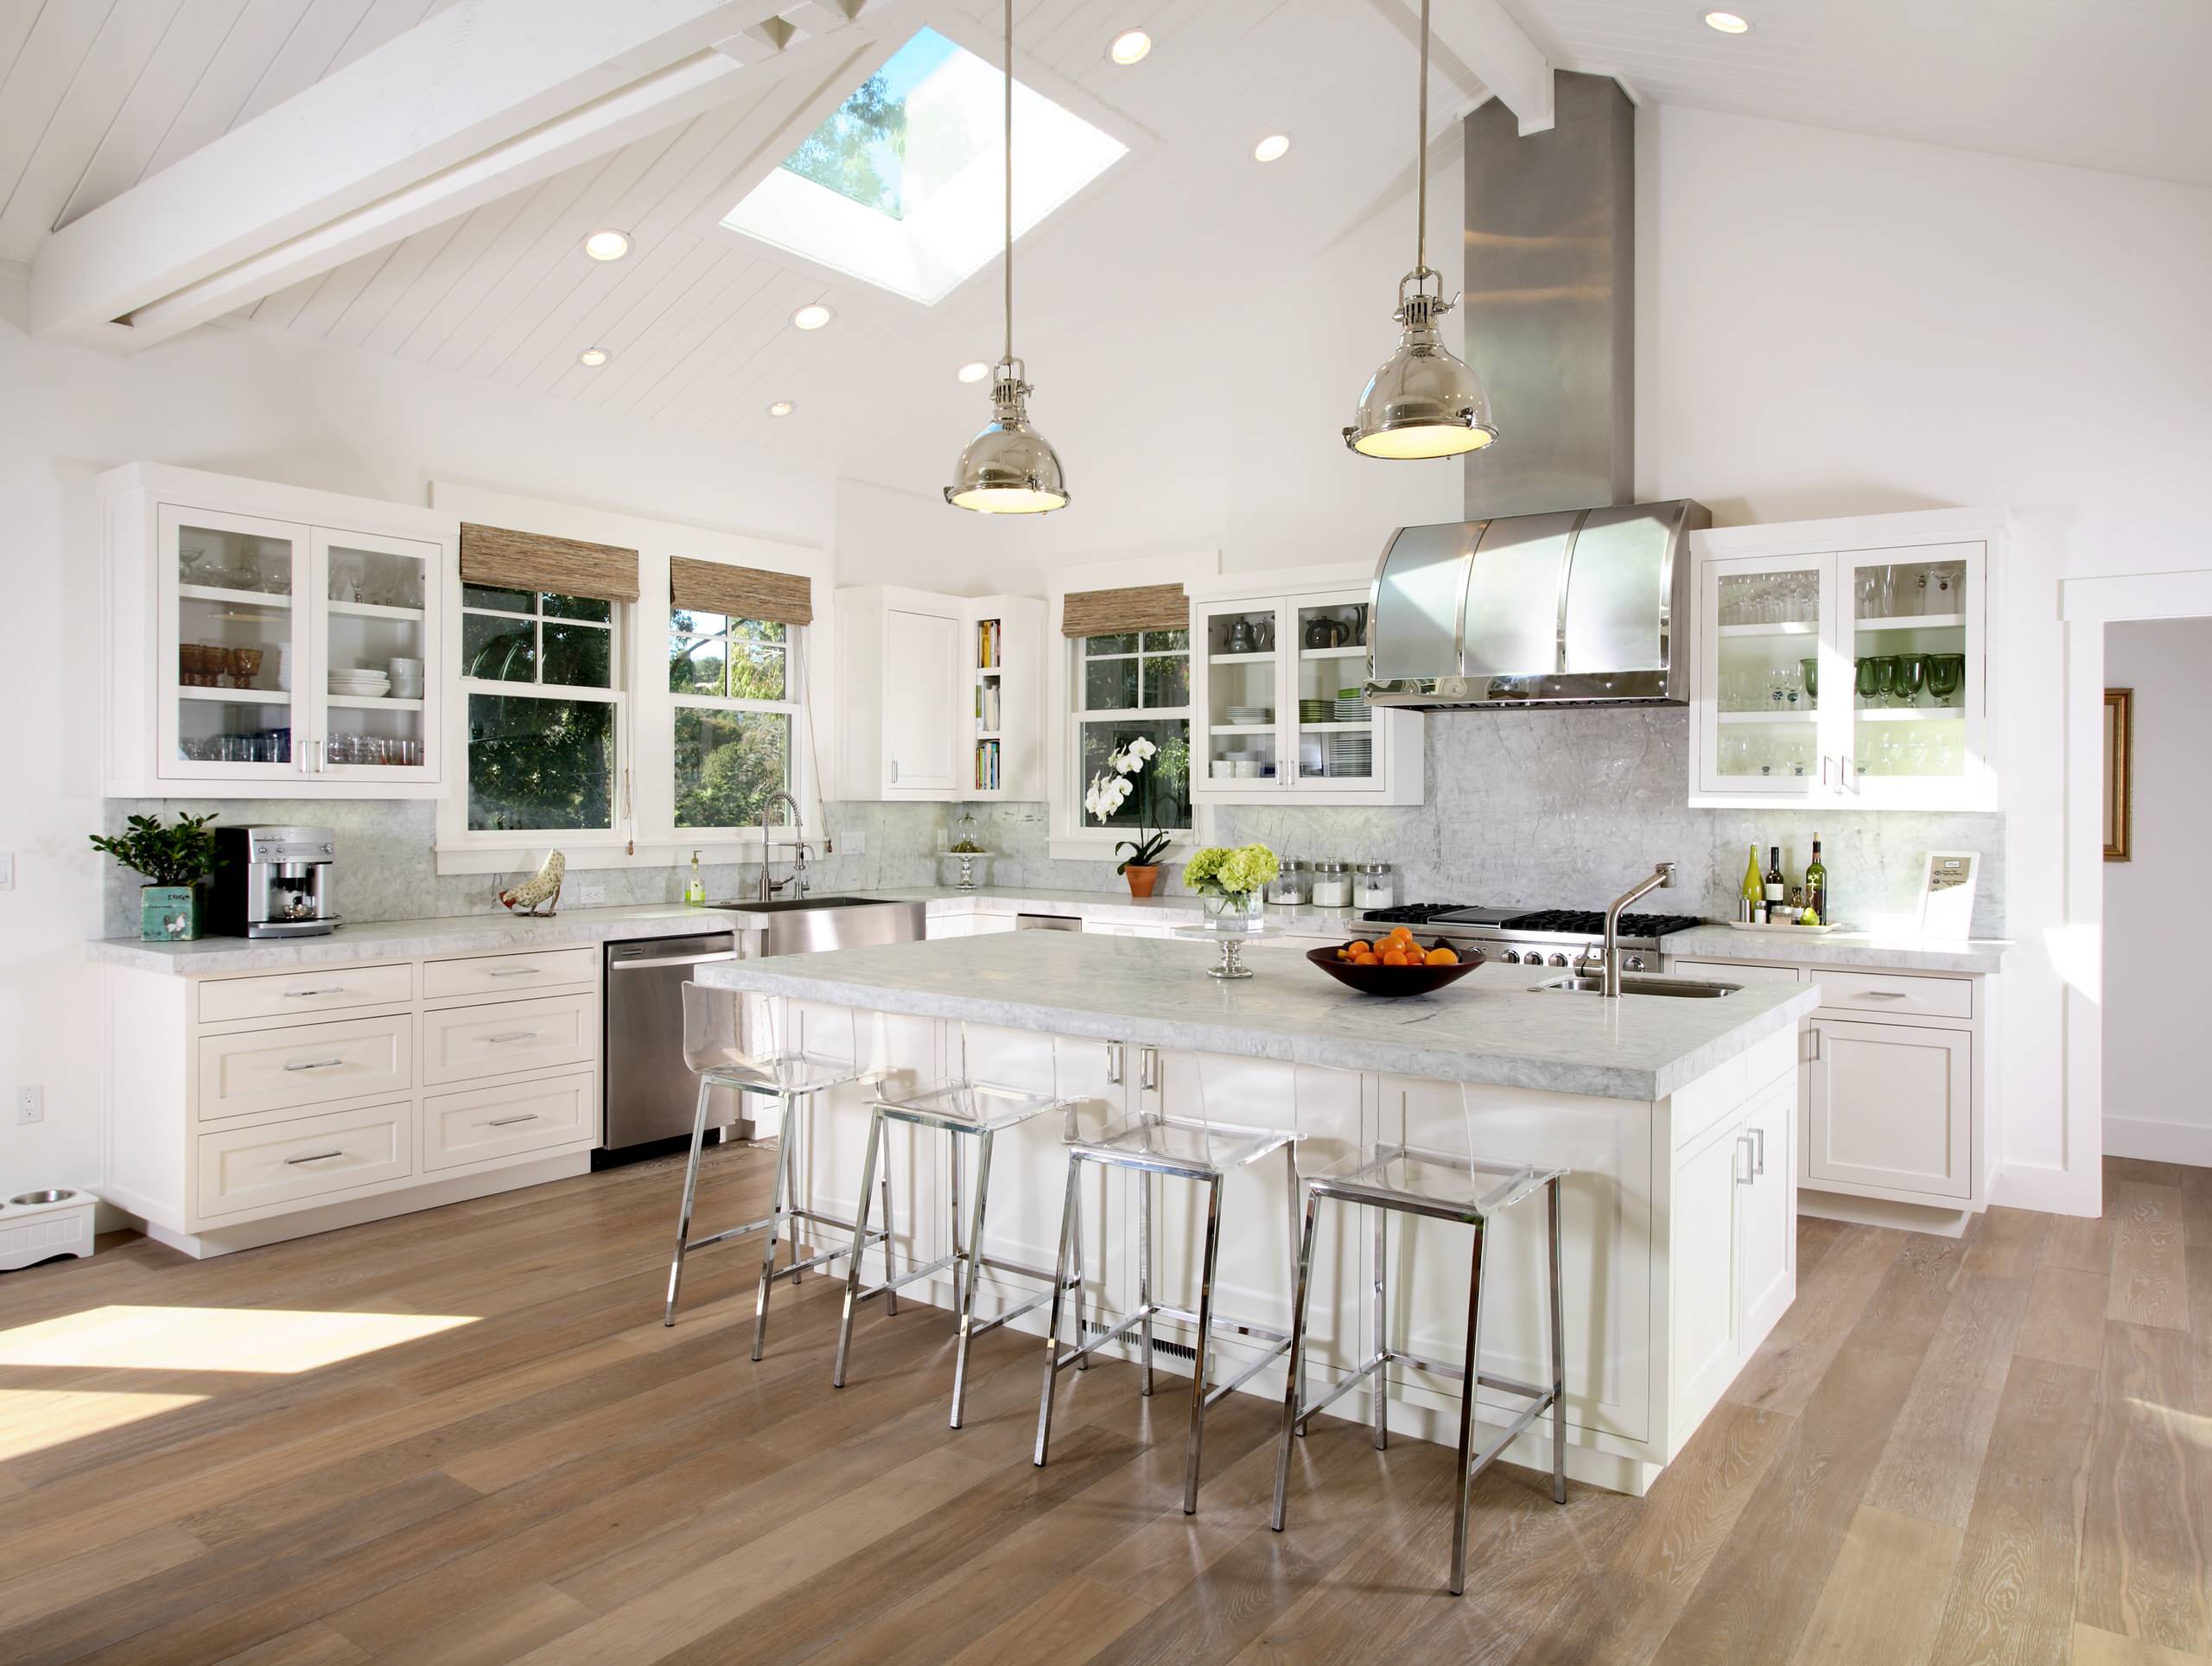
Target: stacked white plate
{"x":360,"y":685}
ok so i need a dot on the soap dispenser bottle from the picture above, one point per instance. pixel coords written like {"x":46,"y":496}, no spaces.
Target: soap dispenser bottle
{"x":695,"y":890}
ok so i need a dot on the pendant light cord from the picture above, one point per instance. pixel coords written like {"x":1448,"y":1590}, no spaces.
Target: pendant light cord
{"x":1421,"y":153}
{"x":1009,"y":177}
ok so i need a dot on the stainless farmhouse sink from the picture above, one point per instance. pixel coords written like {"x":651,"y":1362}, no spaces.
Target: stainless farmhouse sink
{"x":798,"y":925}
{"x":1680,"y":987}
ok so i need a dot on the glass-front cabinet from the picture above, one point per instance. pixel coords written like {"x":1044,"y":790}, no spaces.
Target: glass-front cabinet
{"x":264,"y":654}
{"x":1280,"y":706}
{"x":1853,"y":677}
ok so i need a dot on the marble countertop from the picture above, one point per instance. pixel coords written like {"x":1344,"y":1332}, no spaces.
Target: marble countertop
{"x":1490,"y":1026}
{"x":1890,"y":951}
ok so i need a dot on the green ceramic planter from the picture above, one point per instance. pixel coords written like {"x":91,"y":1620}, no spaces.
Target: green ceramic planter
{"x":168,"y":913}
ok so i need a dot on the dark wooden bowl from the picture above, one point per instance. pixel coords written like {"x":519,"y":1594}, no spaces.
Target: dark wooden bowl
{"x":1395,"y":980}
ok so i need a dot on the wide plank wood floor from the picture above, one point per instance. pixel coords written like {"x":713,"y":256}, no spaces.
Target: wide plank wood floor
{"x":465,"y":1436}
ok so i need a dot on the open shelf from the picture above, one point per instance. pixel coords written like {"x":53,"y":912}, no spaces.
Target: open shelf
{"x":371,"y":703}
{"x":1261,"y":658}
{"x":370,"y":610}
{"x":1913,"y":622}
{"x":1911,"y":714}
{"x":236,"y":697}
{"x":1355,"y":651}
{"x":1775,"y":717}
{"x":1791,"y":628}
{"x":211,"y":593}
{"x":1361,"y":726}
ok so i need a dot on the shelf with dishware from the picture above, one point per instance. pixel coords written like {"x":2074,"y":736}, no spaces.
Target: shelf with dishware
{"x":1846,"y":663}
{"x":247,"y":615}
{"x":1279,"y":707}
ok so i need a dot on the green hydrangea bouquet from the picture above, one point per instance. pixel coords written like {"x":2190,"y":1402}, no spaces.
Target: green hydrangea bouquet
{"x":1231,"y":879}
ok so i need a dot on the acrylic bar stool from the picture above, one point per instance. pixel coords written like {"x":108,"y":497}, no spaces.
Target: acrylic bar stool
{"x":1436,"y":1186}
{"x":1206,"y":1152}
{"x":962,"y":1110}
{"x":778,"y":1061}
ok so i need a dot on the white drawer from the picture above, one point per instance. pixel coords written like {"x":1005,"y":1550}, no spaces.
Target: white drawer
{"x":1882,"y":993}
{"x":242,"y":1168}
{"x":291,"y":995}
{"x":509,"y":975}
{"x":1730,"y":971}
{"x":462,"y":1043}
{"x":475,"y":1123}
{"x":304,"y":1064}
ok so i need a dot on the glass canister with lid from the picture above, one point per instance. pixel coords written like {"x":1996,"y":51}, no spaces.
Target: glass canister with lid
{"x":1375,"y":884}
{"x":1331,"y":885}
{"x":1292,"y":885}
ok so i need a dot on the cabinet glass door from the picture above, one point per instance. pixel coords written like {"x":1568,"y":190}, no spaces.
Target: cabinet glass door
{"x":1915,"y":653}
{"x":1330,"y":725}
{"x":376,"y":603}
{"x":231,"y":651}
{"x":1763,"y":692}
{"x":1243,"y":688}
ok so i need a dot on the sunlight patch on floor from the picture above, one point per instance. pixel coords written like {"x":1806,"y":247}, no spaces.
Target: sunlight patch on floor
{"x":267,"y":1340}
{"x":31,"y":1420}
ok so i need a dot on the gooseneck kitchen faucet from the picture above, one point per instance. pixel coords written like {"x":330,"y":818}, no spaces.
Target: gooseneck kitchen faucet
{"x":798,"y":825}
{"x":1609,"y":973}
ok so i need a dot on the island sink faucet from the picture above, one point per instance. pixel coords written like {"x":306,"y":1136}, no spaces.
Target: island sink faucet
{"x":1609,"y":972}
{"x":798,"y":827}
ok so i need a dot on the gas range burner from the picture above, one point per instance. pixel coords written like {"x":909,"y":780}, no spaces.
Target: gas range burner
{"x":1420,"y":913}
{"x":1508,"y":932}
{"x":1588,"y":922}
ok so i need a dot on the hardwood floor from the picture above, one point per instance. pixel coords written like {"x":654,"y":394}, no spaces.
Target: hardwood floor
{"x":465,"y":1436}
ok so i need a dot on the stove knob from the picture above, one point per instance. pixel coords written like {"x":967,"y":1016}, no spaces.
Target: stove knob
{"x":1559,"y":960}
{"x":1511,"y":957}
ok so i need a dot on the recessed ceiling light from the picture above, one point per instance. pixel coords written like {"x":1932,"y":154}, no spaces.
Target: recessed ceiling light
{"x":592,"y":357}
{"x":973,"y":370}
{"x":1728,"y":22}
{"x":782,"y":408}
{"x":1274,"y":148}
{"x":1129,"y":46}
{"x":607,"y":245}
{"x":811,"y":316}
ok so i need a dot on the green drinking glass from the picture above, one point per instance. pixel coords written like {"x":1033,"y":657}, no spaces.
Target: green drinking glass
{"x":1811,"y":667}
{"x":1868,"y":679}
{"x":1947,"y":675}
{"x":1912,"y":676}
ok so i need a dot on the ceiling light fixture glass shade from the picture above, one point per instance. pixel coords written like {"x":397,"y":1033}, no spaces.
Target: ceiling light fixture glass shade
{"x":1129,"y":46}
{"x":1424,"y":401}
{"x":1008,"y":468}
{"x":607,"y":245}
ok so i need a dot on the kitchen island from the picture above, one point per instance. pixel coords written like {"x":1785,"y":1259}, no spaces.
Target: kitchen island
{"x":1677,"y":1117}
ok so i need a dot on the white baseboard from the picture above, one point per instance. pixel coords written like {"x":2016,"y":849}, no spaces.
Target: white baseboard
{"x":2158,"y":1142}
{"x":1882,"y":1211}
{"x":2052,"y":1191}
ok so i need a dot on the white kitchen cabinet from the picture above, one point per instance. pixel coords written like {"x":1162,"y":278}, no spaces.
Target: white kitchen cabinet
{"x":1766,"y":1212}
{"x":1890,"y":1106}
{"x":1278,"y":716}
{"x":230,"y":604}
{"x":1847,"y":663}
{"x":938,"y":696}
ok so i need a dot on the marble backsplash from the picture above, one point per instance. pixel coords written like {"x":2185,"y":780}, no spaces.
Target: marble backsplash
{"x":1546,"y":809}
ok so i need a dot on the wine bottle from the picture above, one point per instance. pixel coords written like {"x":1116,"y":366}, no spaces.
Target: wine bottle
{"x":1753,"y":898}
{"x":1816,"y":885}
{"x":1777,"y":887}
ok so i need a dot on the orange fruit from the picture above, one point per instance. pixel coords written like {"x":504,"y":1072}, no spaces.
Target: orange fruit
{"x":1359,"y":946}
{"x":1395,"y":957}
{"x":1401,"y":934}
{"x":1371,"y":958}
{"x":1440,"y":956}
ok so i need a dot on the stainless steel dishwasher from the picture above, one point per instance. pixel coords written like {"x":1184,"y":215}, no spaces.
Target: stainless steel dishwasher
{"x":651,"y":1094}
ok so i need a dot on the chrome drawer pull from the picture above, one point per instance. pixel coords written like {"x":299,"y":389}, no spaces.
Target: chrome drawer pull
{"x":509,"y":1122}
{"x":316,"y":1063}
{"x":514,"y":1036}
{"x":1758,"y":1153}
{"x":312,"y":1157}
{"x":302,"y":995}
{"x":516,"y":971}
{"x":1882,"y":995}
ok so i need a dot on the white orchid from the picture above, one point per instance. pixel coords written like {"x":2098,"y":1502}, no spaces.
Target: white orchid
{"x":1139,"y":752}
{"x":1108,"y":793}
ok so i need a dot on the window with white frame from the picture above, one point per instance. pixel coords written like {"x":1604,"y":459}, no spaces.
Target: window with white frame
{"x":1128,"y":684}
{"x":736,"y":685}
{"x":541,"y":676}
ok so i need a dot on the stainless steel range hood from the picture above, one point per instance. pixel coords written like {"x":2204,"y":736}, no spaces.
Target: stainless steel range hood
{"x":1556,"y":590}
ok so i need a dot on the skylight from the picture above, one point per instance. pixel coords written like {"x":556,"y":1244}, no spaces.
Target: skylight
{"x":903,"y":186}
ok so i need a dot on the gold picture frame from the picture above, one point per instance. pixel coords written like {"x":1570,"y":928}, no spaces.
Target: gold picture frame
{"x":2120,"y":774}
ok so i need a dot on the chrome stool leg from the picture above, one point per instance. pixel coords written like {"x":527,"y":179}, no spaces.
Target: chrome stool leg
{"x":1469,"y":1393}
{"x":690,"y":1191}
{"x":1294,"y":1375}
{"x":1075,"y":1276}
{"x":777,"y":1210}
{"x":974,"y":1272}
{"x":1204,"y":1347}
{"x":1379,"y":1278}
{"x":1301,"y":1256}
{"x":1559,"y":1355}
{"x":860,"y":1237}
{"x":1053,"y":1357}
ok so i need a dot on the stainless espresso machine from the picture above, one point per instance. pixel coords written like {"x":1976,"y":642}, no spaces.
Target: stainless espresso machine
{"x":274,"y":881}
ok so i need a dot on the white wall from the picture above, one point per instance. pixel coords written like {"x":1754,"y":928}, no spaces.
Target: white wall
{"x":247,"y":404}
{"x":2155,"y":1101}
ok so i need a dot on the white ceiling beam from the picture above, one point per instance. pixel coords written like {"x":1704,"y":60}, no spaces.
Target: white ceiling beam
{"x":1483,"y":37}
{"x":481,"y":100}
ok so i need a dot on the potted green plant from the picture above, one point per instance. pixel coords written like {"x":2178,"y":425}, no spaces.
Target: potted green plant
{"x":1233,"y":881}
{"x":1125,"y":774}
{"x":174,"y":860}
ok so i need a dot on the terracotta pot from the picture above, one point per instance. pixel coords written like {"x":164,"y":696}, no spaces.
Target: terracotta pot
{"x":1142,"y":880}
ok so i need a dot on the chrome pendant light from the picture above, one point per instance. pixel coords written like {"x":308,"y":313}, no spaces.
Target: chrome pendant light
{"x":1009,"y":468}
{"x":1424,"y":401}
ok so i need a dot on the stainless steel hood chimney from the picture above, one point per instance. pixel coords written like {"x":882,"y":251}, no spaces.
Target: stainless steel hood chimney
{"x":1556,"y":590}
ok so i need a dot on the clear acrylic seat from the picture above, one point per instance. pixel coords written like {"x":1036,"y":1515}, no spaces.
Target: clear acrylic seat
{"x":1459,"y":1186}
{"x":964,"y":1109}
{"x":756,"y":1045}
{"x":1204,"y":1150}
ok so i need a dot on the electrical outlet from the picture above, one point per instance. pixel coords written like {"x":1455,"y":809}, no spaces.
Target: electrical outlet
{"x":590,"y":896}
{"x":31,"y":1104}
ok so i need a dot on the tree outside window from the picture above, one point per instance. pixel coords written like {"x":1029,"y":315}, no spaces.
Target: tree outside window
{"x":539,"y":675}
{"x":733,"y":682}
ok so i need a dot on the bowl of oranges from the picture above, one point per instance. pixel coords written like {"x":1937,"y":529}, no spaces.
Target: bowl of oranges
{"x":1395,"y":965}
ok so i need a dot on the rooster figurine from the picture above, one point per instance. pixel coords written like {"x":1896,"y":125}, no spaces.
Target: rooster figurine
{"x":542,"y":891}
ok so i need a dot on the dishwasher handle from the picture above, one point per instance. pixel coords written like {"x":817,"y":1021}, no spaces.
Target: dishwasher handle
{"x":671,"y":960}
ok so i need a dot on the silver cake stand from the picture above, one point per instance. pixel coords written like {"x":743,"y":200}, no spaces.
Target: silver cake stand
{"x":1231,"y":940}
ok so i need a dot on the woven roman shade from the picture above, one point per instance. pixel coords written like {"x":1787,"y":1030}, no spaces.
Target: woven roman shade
{"x":1139,"y":607}
{"x":503,"y":559}
{"x":708,"y":586}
